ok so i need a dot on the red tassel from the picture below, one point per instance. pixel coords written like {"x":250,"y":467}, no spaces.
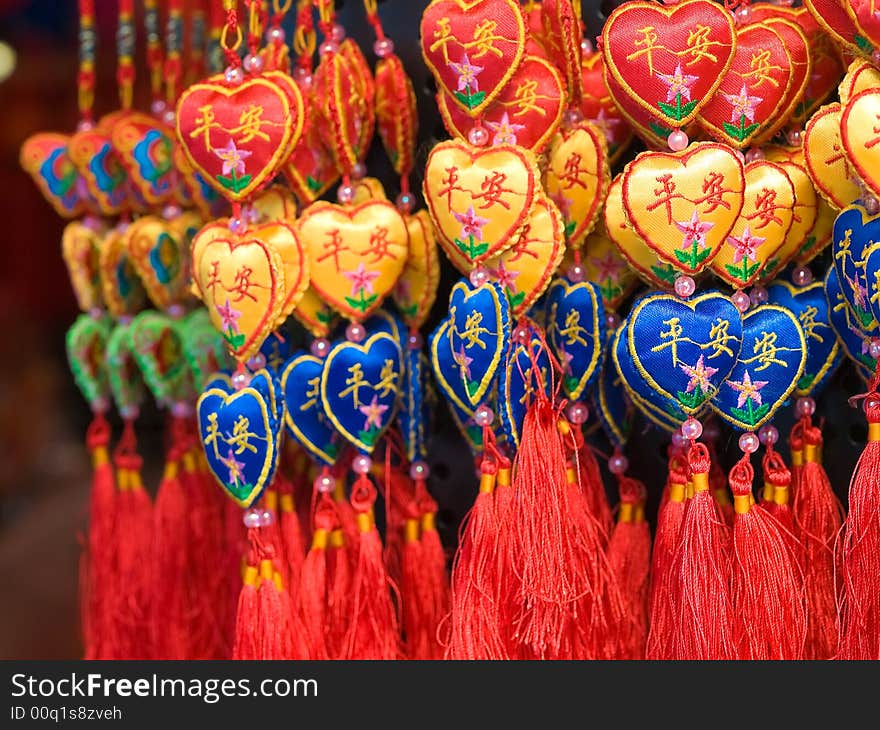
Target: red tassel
{"x":629,"y":555}
{"x":414,"y":600}
{"x":859,"y":548}
{"x":134,"y":525}
{"x":373,"y":629}
{"x":767,"y":587}
{"x":473,"y":625}
{"x":436,"y":575}
{"x":818,"y":517}
{"x":718,"y":484}
{"x":702,"y":572}
{"x":312,"y":594}
{"x":663,"y":608}
{"x":291,"y":534}
{"x":98,"y":562}
{"x":339,"y":587}
{"x":593,"y":487}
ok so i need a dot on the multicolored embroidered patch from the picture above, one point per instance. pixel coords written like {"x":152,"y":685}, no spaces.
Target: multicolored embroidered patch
{"x":81,"y":249}
{"x":158,"y":348}
{"x":86,"y":343}
{"x":45,"y":158}
{"x":853,"y":339}
{"x":855,"y":231}
{"x":121,"y":289}
{"x":145,"y":148}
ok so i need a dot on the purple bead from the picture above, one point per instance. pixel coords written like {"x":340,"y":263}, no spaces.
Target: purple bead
{"x":677,"y":140}
{"x":275,"y":34}
{"x":484,"y":416}
{"x":320,"y":347}
{"x":678,"y":440}
{"x":129,"y":413}
{"x":572,"y":117}
{"x":805,"y":406}
{"x":768,"y":434}
{"x":176,"y":311}
{"x":383,"y":47}
{"x":618,"y":464}
{"x":795,"y":137}
{"x":748,"y":443}
{"x":252,"y":518}
{"x":157,"y":107}
{"x":257,"y":362}
{"x":577,"y":273}
{"x":100,"y":405}
{"x":802,"y":276}
{"x":324,"y":483}
{"x":740,"y":300}
{"x":359,"y":171}
{"x":355,"y":332}
{"x":577,"y":412}
{"x":753,"y":154}
{"x":233,"y":75}
{"x":478,"y":276}
{"x":238,"y":225}
{"x":337,"y":33}
{"x":758,"y":295}
{"x":361,"y":464}
{"x":419,"y":470}
{"x":874,"y":349}
{"x":181,"y":409}
{"x":345,"y":194}
{"x":612,"y":320}
{"x":872,"y":205}
{"x":240,"y":379}
{"x":685,"y":286}
{"x":171,"y":211}
{"x":414,"y":341}
{"x":96,"y":313}
{"x":253,"y":63}
{"x":478,"y":137}
{"x":692,"y":429}
{"x":405,"y":202}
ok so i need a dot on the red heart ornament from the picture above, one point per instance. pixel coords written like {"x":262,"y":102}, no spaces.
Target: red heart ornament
{"x":338,"y":96}
{"x":835,"y":19}
{"x":562,"y":38}
{"x":238,"y":136}
{"x":473,"y":48}
{"x":753,"y":91}
{"x":396,"y":113}
{"x":526,"y":113}
{"x":598,"y":107}
{"x":669,"y":60}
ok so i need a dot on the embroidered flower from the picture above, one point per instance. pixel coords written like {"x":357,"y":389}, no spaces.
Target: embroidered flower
{"x":360,"y":279}
{"x":743,"y":105}
{"x":608,"y":124}
{"x":505,"y":130}
{"x":228,"y":316}
{"x":677,"y":83}
{"x":463,"y":361}
{"x":373,"y":411}
{"x":747,"y":389}
{"x":506,"y":277}
{"x":471,"y":224}
{"x":563,"y":203}
{"x":467,"y":74}
{"x":699,"y":375}
{"x":567,"y":357}
{"x":236,"y":468}
{"x":233,"y":158}
{"x":745,"y":245}
{"x":608,"y":267}
{"x":694,"y":230}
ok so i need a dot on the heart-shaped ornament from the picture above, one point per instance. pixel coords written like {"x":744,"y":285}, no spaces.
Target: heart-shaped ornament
{"x":416,"y":405}
{"x":527,"y":374}
{"x":275,"y":203}
{"x":827,"y":161}
{"x":479,"y":198}
{"x":854,"y":340}
{"x":598,"y":107}
{"x":121,"y":289}
{"x":763,"y":224}
{"x":416,"y":289}
{"x":631,"y":245}
{"x":861,"y":75}
{"x":810,"y":307}
{"x":576,"y":332}
{"x":98,"y":164}
{"x":754,"y":90}
{"x":356,"y":253}
{"x":685,"y":349}
{"x":314,"y":314}
{"x":473,"y":48}
{"x":577,"y":178}
{"x":360,"y":384}
{"x":203,"y":347}
{"x":86,"y":345}
{"x":524,"y":270}
{"x":610,"y":399}
{"x":126,"y":382}
{"x":858,"y":122}
{"x":45,"y":158}
{"x":836,"y":20}
{"x":767,"y":371}
{"x":368,"y":188}
{"x":871,"y":264}
{"x":669,"y":60}
{"x":145,"y":148}
{"x":342,"y":104}
{"x":527,"y":112}
{"x":604,"y":265}
{"x":855,"y":232}
{"x":157,"y":345}
{"x":239,"y":440}
{"x":310,"y":169}
{"x":684,"y":205}
{"x":238,"y":136}
{"x":396,"y":113}
{"x":820,"y":236}
{"x":562,"y":34}
{"x":81,"y":249}
{"x":241,"y":278}
{"x":304,"y":414}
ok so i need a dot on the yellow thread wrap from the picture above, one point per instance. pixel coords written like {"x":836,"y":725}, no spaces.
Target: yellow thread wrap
{"x":339,"y":490}
{"x":700,"y":481}
{"x":319,"y":539}
{"x":100,"y":456}
{"x":189,"y":462}
{"x":874,"y":432}
{"x":122,"y":479}
{"x":364,"y":521}
{"x":337,"y":538}
{"x":503,"y":479}
{"x":780,"y":495}
{"x":563,"y":427}
{"x":767,"y":493}
{"x":134,"y":480}
{"x":797,"y":457}
{"x":676,"y":492}
{"x":811,"y":452}
{"x":639,"y":514}
{"x":742,"y":503}
{"x":626,"y":512}
{"x":411,"y":530}
{"x":487,"y":483}
{"x":287,"y":504}
{"x":249,"y":577}
{"x":721,"y":496}
{"x":428,"y":522}
{"x":271,"y":500}
{"x":172,"y":468}
{"x":278,"y":581}
{"x":570,"y":475}
{"x":266,"y":569}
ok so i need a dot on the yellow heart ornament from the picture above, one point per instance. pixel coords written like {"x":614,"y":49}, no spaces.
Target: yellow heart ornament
{"x":827,"y":162}
{"x":479,"y":198}
{"x":763,"y":224}
{"x":860,"y":134}
{"x":416,"y":289}
{"x":122,"y":290}
{"x":684,"y":204}
{"x":81,"y":249}
{"x":356,"y":253}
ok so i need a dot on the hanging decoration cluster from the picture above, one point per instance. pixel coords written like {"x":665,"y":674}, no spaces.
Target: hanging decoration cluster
{"x":639,"y":226}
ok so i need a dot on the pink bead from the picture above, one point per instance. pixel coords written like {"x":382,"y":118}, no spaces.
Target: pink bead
{"x":383,"y":47}
{"x":252,"y":518}
{"x":612,"y":320}
{"x":478,"y":137}
{"x":618,"y":464}
{"x":577,"y":412}
{"x":100,"y":405}
{"x":96,"y":313}
{"x":577,"y":273}
{"x":237,"y":225}
{"x":359,"y":170}
{"x":768,"y":434}
{"x":479,"y":276}
{"x":572,"y":117}
{"x":157,"y":107}
{"x":253,"y":63}
{"x":361,"y":464}
{"x":240,"y":379}
{"x":168,"y":117}
{"x":130,"y":412}
{"x":874,"y":349}
{"x":320,"y":347}
{"x":520,"y":334}
{"x":234,"y":75}
{"x":758,"y":295}
{"x":748,"y":443}
{"x":414,"y":341}
{"x":875,"y":58}
{"x":419,"y":470}
{"x":743,"y":15}
{"x":753,"y":154}
{"x":303,"y":77}
{"x":324,"y":483}
{"x":176,"y":311}
{"x":484,"y":416}
{"x":355,"y":332}
{"x":692,"y":429}
{"x":84,"y":125}
{"x":405,"y":202}
{"x":805,"y":406}
{"x":801,"y":276}
{"x":337,"y":33}
{"x":328,"y":48}
{"x":587,"y":46}
{"x":685,"y":286}
{"x":257,"y":362}
{"x":677,"y":140}
{"x":740,"y":300}
{"x":345,"y":194}
{"x":171,"y":211}
{"x":275,"y":35}
{"x":872,"y":205}
{"x":795,"y":137}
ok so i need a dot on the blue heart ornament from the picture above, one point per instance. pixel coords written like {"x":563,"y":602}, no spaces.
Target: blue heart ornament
{"x":576,"y":331}
{"x":684,"y":349}
{"x":810,"y":307}
{"x":239,"y":440}
{"x":854,"y":233}
{"x":768,"y":369}
{"x":360,"y":385}
{"x":527,"y":373}
{"x":609,"y":399}
{"x":853,"y":340}
{"x":304,"y":414}
{"x":276,"y":351}
{"x":414,"y":408}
